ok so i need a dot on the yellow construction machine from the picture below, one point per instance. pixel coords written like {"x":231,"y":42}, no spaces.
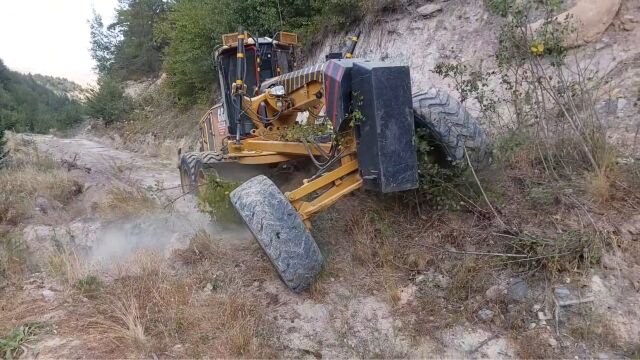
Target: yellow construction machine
{"x":352,"y":120}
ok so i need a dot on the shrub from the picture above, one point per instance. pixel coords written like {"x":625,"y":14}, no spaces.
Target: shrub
{"x":214,"y":199}
{"x":108,"y":102}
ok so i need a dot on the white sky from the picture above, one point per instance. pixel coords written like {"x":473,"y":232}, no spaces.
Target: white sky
{"x":50,"y":37}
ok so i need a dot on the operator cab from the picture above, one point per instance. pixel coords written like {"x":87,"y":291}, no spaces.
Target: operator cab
{"x":265,"y":58}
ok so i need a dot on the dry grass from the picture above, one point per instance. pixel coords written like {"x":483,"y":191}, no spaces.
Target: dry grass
{"x":127,"y":202}
{"x":206,"y":307}
{"x":13,"y":257}
{"x":533,"y":345}
{"x":67,"y":267}
{"x":593,"y":328}
{"x":202,"y":247}
{"x":28,"y":175}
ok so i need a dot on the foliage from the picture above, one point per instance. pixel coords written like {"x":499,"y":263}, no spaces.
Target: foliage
{"x":89,"y":284}
{"x":500,"y":7}
{"x":179,"y":37}
{"x":3,"y":143}
{"x":300,"y":132}
{"x":11,"y":346}
{"x":437,"y":184}
{"x":136,"y":53}
{"x":471,"y":83}
{"x":568,"y":251}
{"x":215,"y":200}
{"x":193,"y":29}
{"x":192,"y":35}
{"x":108,"y":102}
{"x":26,"y":105}
{"x":543,"y":100}
{"x":103,"y":43}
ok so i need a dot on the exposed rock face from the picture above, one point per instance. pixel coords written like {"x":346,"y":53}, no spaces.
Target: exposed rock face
{"x":590,"y":18}
{"x":429,"y":9}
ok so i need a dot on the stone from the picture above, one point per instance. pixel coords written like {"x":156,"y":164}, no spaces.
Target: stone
{"x":518,"y":290}
{"x":485,"y":315}
{"x":622,"y":105}
{"x":429,"y":9}
{"x":562,"y":293}
{"x":552,"y":342}
{"x":48,"y":295}
{"x":495,"y":292}
{"x":43,"y":205}
{"x":590,"y":18}
{"x":208,"y":289}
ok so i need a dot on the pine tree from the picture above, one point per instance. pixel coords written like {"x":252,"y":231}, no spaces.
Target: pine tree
{"x":103,"y":42}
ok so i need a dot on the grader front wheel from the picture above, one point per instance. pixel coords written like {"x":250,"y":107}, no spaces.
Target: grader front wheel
{"x":277,"y":226}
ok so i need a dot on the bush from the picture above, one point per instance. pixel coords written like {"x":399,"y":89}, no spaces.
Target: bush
{"x":544,"y":101}
{"x":109,"y":102}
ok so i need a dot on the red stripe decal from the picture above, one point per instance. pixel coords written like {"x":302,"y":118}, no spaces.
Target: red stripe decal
{"x":327,"y":86}
{"x":335,"y":95}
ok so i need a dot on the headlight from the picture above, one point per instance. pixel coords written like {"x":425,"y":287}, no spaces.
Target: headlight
{"x":277,"y":90}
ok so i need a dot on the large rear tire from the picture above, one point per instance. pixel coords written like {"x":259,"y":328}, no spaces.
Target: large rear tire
{"x":188,"y":171}
{"x":280,"y":231}
{"x":451,"y":126}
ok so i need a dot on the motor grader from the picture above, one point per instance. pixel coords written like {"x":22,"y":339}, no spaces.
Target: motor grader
{"x":367,"y":116}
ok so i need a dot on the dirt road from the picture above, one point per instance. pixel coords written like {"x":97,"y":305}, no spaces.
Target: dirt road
{"x":334,"y":320}
{"x":108,"y":168}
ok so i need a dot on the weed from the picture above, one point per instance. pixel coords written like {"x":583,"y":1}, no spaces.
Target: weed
{"x":306,"y":132}
{"x":202,"y":247}
{"x":67,"y":267}
{"x":215,"y":200}
{"x":568,"y":251}
{"x":28,"y":175}
{"x":438,"y":184}
{"x":593,"y":328}
{"x":13,"y":256}
{"x":89,"y":284}
{"x":122,"y":202}
{"x":532,"y":345}
{"x":541,"y":196}
{"x":151,"y":308}
{"x":600,"y":187}
{"x":500,"y":7}
{"x":12,"y":346}
{"x":469,"y":277}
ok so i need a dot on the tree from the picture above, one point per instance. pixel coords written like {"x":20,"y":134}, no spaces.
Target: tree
{"x":137,"y":54}
{"x":28,"y":105}
{"x":108,"y":102}
{"x":103,"y":43}
{"x":193,"y":35}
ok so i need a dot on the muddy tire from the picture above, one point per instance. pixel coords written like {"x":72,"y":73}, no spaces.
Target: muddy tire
{"x":453,"y":129}
{"x":280,"y":231}
{"x":188,"y":171}
{"x":204,"y":165}
{"x":199,"y":176}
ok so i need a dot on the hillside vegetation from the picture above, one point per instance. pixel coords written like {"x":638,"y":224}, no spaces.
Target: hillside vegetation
{"x":179,"y":38}
{"x":36,"y":103}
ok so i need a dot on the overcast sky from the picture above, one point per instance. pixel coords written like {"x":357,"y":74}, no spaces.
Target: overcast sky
{"x":50,"y":37}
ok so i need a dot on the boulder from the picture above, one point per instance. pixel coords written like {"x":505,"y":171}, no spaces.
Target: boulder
{"x":589,"y":17}
{"x":429,"y":9}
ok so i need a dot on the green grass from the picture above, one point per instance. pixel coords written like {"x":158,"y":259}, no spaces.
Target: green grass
{"x":11,"y":346}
